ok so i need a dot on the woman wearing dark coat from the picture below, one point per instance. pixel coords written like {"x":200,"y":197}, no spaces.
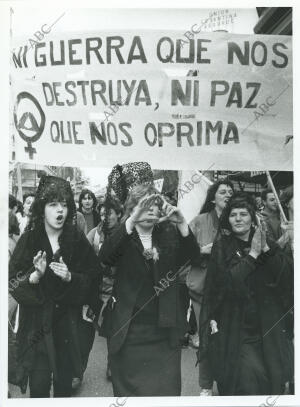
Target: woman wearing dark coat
{"x":147,"y":320}
{"x":56,"y":267}
{"x":248,"y":295}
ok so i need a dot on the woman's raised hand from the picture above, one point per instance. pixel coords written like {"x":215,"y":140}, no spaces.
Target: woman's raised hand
{"x":139,"y":213}
{"x":264,"y":244}
{"x":40,"y":263}
{"x":171,"y":213}
{"x":174,"y":214}
{"x":61,"y":270}
{"x":168,"y":212}
{"x":256,"y":244}
{"x":206,"y":249}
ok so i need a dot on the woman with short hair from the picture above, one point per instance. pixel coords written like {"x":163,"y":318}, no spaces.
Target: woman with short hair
{"x":248,"y":294}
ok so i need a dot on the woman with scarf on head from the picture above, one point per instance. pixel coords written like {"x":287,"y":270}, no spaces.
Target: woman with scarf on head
{"x":55,"y":266}
{"x":147,"y":320}
{"x":248,"y":294}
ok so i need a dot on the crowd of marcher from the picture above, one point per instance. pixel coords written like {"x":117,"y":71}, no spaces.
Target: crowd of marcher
{"x":131,"y":269}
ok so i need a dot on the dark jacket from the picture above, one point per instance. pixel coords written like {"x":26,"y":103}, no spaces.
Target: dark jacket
{"x":39,"y":302}
{"x":233,"y":278}
{"x":126,"y":253}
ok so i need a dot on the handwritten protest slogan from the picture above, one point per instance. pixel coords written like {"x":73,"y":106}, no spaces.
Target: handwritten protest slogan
{"x":95,"y":98}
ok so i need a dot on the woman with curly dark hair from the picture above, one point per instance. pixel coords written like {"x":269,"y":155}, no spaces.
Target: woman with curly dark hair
{"x":247,"y":299}
{"x":55,"y":266}
{"x":87,"y":206}
{"x":205,"y":227}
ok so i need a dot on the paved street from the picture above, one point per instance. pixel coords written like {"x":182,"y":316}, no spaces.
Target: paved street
{"x":96,"y":385}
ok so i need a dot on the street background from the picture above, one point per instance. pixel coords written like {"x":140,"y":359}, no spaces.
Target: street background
{"x":95,"y":383}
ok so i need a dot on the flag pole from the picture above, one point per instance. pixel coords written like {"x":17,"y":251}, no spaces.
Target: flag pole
{"x":276,"y":196}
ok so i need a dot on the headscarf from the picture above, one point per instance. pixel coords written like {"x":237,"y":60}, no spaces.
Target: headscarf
{"x":120,"y":181}
{"x":52,"y":188}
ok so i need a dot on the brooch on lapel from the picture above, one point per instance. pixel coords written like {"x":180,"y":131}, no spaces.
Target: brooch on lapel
{"x":238,"y":253}
{"x":213,"y":326}
{"x":242,"y":253}
{"x":151,"y":254}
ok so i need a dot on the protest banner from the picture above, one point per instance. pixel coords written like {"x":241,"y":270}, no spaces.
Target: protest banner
{"x":88,"y":97}
{"x":192,"y":191}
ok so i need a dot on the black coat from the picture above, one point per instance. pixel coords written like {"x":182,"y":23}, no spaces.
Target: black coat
{"x":38,"y":301}
{"x":126,"y":253}
{"x":227,"y":291}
